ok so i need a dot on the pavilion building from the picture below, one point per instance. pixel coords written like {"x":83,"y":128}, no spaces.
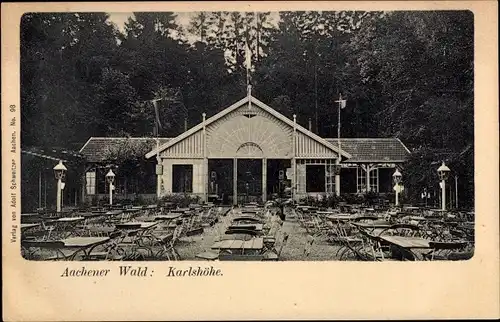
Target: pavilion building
{"x":249,"y":151}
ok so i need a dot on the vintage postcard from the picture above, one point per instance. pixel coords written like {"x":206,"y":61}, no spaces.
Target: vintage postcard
{"x":250,"y":160}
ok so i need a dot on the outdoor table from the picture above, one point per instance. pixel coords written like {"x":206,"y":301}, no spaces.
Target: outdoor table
{"x":66,"y":224}
{"x":327,"y":212}
{"x":180,"y":210}
{"x":88,"y":215}
{"x":130,"y":210}
{"x":31,"y":218}
{"x":340,"y":217}
{"x":142,"y":228}
{"x":142,"y":225}
{"x":374,"y":224}
{"x":74,"y":244}
{"x":114,"y":212}
{"x":249,"y":210}
{"x":410,"y":244}
{"x":67,"y":220}
{"x":32,"y":214}
{"x":100,"y":211}
{"x":247,"y":219}
{"x":439,"y":211}
{"x":168,"y":218}
{"x":84,"y":244}
{"x":256,"y":227}
{"x":25,"y":227}
{"x":254,"y":244}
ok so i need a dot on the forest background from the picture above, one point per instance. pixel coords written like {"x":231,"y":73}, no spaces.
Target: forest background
{"x":408,"y":75}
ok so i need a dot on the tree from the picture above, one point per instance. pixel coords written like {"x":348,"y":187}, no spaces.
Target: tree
{"x":62,"y":56}
{"x":127,"y":158}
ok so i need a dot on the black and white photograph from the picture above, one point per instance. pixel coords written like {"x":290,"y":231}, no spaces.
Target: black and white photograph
{"x":247,"y":136}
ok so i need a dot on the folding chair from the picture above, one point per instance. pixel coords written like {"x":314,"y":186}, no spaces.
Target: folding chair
{"x":271,"y":255}
{"x":309,"y":242}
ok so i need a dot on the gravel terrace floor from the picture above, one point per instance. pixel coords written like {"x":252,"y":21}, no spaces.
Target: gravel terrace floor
{"x":294,"y":250}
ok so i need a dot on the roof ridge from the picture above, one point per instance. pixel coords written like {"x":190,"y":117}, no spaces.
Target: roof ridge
{"x":391,"y":138}
{"x":124,"y":138}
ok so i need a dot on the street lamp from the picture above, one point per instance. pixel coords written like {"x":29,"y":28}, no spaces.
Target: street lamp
{"x":443,"y":172}
{"x":397,"y":180}
{"x":110,"y":178}
{"x":59,"y":172}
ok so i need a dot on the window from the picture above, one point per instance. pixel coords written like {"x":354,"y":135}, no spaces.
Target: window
{"x":182,"y":178}
{"x":90,"y":182}
{"x":315,"y":178}
{"x":330,"y":178}
{"x":362,"y":183}
{"x":374,"y":180}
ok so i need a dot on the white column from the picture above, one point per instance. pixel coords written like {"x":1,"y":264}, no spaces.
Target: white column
{"x":158,"y":182}
{"x":397,"y":194}
{"x":368,"y":169}
{"x":235,"y":181}
{"x":337,"y":179}
{"x":110,"y":193}
{"x":40,"y":189}
{"x":264,"y":180}
{"x":58,"y":205}
{"x":159,"y":173}
{"x":205,"y":159}
{"x":443,"y":194}
{"x":293,"y":161}
{"x":205,"y":178}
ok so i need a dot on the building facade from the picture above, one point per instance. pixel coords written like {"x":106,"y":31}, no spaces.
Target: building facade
{"x":249,"y":151}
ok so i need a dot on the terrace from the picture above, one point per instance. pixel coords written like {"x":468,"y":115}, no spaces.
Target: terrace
{"x":251,"y":232}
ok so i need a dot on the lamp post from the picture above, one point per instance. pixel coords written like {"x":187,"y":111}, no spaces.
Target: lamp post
{"x":59,"y":172}
{"x":397,"y":180}
{"x":443,"y":172}
{"x":110,"y":178}
{"x":342,"y":104}
{"x":336,"y":171}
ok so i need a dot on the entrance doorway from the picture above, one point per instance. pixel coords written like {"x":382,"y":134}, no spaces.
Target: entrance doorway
{"x":249,"y":180}
{"x":276,"y":177}
{"x":220,"y":180}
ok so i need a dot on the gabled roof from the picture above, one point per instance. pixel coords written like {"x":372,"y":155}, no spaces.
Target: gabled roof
{"x":374,"y":149}
{"x":54,"y":154}
{"x":235,"y":106}
{"x":93,"y":150}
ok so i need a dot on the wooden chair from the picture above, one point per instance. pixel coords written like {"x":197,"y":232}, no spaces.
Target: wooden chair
{"x":407,"y":230}
{"x":309,"y":242}
{"x":109,"y":251}
{"x":274,"y":256}
{"x":208,"y":255}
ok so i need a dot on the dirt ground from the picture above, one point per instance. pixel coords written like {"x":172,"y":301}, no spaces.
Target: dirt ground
{"x":294,"y":250}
